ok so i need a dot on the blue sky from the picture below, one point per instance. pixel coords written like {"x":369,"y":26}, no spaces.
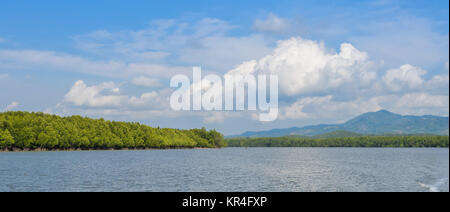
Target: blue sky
{"x":117,"y":50}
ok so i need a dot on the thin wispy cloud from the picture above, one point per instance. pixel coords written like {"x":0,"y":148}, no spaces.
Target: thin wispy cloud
{"x":11,"y":106}
{"x":272,"y":24}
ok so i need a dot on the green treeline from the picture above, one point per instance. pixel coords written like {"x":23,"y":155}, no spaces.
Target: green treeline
{"x":25,"y":130}
{"x":360,"y":141}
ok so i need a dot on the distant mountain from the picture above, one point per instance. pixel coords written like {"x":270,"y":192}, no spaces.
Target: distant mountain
{"x":373,"y":123}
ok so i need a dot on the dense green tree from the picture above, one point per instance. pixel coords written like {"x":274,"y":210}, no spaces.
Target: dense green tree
{"x":6,"y":139}
{"x":24,"y":130}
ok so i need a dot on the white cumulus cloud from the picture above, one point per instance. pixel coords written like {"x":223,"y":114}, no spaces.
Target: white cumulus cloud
{"x":306,"y":66}
{"x":80,"y":94}
{"x":407,"y":76}
{"x":97,"y":96}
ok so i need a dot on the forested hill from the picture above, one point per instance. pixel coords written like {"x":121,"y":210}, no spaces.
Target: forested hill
{"x":374,"y":123}
{"x":25,"y":130}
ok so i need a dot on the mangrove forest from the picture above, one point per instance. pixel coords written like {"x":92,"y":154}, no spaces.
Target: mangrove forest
{"x":356,"y":141}
{"x":31,"y":131}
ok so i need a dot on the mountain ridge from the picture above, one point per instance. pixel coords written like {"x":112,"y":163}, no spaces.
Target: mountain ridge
{"x":371,"y":123}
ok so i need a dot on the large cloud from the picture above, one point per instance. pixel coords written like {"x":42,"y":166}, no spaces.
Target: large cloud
{"x":315,"y":78}
{"x":404,"y":90}
{"x":306,"y":69}
{"x":305,"y":66}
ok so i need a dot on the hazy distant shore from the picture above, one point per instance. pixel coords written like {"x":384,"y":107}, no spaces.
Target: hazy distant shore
{"x":358,"y":141}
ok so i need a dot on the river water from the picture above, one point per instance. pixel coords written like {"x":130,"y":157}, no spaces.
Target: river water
{"x":229,"y":169}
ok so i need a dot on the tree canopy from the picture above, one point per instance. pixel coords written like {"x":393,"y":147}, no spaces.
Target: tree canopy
{"x":29,"y":130}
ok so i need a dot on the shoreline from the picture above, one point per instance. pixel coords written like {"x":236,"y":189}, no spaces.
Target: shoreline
{"x":88,"y":150}
{"x":182,"y":148}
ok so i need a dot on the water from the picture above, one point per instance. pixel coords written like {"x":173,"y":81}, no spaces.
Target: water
{"x":228,"y":169}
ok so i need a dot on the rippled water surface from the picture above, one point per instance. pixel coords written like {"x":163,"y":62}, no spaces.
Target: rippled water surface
{"x":228,"y":169}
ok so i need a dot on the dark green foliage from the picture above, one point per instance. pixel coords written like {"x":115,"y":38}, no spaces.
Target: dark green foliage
{"x":24,"y":130}
{"x":361,"y":141}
